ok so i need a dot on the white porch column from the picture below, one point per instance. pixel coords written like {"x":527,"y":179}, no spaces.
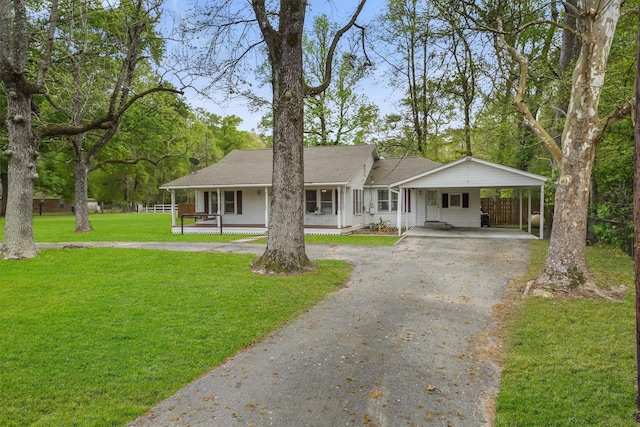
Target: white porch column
{"x":520,"y":208}
{"x":339,"y":202}
{"x":541,"y":230}
{"x":266,"y":207}
{"x":218,"y":209}
{"x":173,"y":208}
{"x":529,"y":209}
{"x":399,"y":211}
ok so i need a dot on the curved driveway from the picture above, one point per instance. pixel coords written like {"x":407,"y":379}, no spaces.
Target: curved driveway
{"x":401,"y":345}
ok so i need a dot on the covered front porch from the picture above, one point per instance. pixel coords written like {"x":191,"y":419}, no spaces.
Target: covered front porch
{"x":245,"y":210}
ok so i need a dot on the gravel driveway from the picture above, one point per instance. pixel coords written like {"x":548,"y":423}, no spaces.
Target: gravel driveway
{"x":401,"y":345}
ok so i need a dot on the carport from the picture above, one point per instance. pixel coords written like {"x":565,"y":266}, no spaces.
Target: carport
{"x":450,"y":194}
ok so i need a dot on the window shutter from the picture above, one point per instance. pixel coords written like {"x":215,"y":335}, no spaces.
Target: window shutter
{"x":336,"y":204}
{"x":408,"y":199}
{"x":239,"y":202}
{"x":445,"y":200}
{"x":465,"y":200}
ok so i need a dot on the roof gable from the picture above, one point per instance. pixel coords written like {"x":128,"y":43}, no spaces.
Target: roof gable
{"x":472,"y":172}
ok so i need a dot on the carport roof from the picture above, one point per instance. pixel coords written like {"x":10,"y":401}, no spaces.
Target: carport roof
{"x":471,"y":172}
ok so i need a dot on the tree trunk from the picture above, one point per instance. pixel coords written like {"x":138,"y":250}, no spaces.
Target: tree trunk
{"x":81,"y":169}
{"x":4,"y":183}
{"x":22,"y":153}
{"x":566,"y":266}
{"x":285,"y":251}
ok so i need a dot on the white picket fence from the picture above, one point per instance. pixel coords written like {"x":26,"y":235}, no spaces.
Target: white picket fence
{"x":154,"y":209}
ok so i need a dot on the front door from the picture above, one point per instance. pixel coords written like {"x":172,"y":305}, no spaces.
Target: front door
{"x":433,"y":205}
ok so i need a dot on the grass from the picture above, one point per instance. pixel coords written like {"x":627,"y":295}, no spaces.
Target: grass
{"x":136,"y":227}
{"x":571,"y":362}
{"x":95,"y":337}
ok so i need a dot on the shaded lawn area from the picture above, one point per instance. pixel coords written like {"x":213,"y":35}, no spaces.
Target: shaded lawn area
{"x":139,"y":227}
{"x":571,"y":362}
{"x":95,"y":337}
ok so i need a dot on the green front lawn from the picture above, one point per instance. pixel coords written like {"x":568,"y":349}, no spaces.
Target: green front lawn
{"x":139,"y":227}
{"x":95,"y":337}
{"x":571,"y":362}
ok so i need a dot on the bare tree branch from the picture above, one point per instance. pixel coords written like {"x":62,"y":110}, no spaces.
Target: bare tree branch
{"x":311,"y":91}
{"x":48,"y":47}
{"x":136,"y":160}
{"x":100,"y":123}
{"x":519,"y":103}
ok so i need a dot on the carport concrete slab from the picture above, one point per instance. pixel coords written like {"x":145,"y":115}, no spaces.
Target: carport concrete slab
{"x":473,"y":233}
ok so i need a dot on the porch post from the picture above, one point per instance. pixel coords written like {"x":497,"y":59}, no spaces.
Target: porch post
{"x":339,"y":202}
{"x":399,"y":210}
{"x":173,"y":208}
{"x":218,"y":210}
{"x":529,"y":209}
{"x":266,"y":207}
{"x":541,"y":230}
{"x":520,"y":208}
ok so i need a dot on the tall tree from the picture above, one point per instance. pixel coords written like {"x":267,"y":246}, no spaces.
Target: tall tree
{"x":565,"y":266}
{"x":20,"y":85}
{"x":409,"y":35}
{"x":105,"y":48}
{"x":285,"y":250}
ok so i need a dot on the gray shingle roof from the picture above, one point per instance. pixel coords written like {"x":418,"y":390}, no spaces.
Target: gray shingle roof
{"x":392,"y":170}
{"x":333,"y":164}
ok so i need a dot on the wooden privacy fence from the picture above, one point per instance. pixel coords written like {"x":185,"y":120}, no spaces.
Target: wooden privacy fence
{"x":506,"y":211}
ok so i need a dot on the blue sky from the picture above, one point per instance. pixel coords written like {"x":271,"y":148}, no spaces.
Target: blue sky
{"x":338,"y":11}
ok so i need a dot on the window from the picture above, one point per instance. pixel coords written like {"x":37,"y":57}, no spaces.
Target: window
{"x":214,"y":201}
{"x":394,"y":202}
{"x":357,"y":202}
{"x":311,"y":202}
{"x":455,"y":200}
{"x":229,"y":202}
{"x":384,"y":202}
{"x":61,"y":204}
{"x":325,"y":204}
{"x":326,"y":201}
{"x":233,"y":202}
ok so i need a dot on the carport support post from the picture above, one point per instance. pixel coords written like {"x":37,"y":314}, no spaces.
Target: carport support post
{"x":520,"y":207}
{"x":541,"y":229}
{"x":399,"y":211}
{"x":529,"y":210}
{"x":266,"y":207}
{"x":173,"y":208}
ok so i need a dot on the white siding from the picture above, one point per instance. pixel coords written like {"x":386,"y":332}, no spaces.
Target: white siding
{"x":357,"y":182}
{"x":252,"y":207}
{"x":408,"y":219}
{"x":463,"y":217}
